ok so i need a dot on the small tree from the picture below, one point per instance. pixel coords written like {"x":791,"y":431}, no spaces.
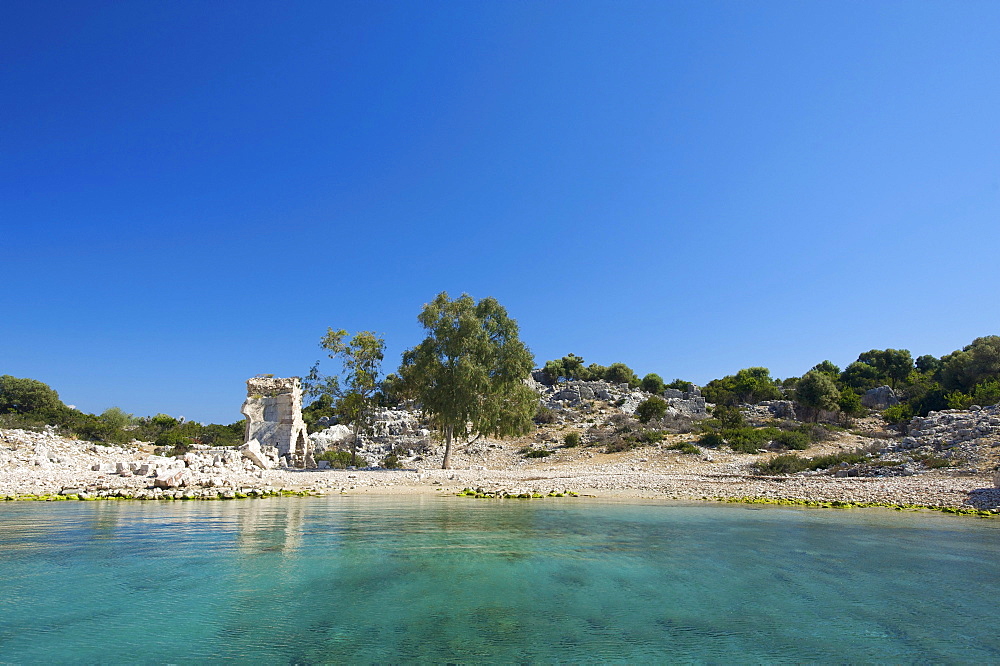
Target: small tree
{"x":652,"y":408}
{"x":817,"y":391}
{"x":23,"y":396}
{"x":361,"y":362}
{"x":652,"y":383}
{"x":469,"y":372}
{"x":619,"y":373}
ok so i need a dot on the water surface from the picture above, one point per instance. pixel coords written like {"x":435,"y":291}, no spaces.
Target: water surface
{"x":369,"y":579}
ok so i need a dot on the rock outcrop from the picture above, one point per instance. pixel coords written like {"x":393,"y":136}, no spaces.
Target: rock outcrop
{"x":952,"y":427}
{"x":879,"y":398}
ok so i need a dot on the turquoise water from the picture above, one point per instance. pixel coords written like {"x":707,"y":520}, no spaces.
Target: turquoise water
{"x":446,"y":579}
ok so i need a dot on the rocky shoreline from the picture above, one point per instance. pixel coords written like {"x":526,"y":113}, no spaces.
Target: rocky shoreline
{"x":45,"y":466}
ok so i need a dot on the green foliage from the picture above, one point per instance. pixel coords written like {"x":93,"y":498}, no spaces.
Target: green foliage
{"x":975,"y":363}
{"x":957,"y":400}
{"x":827,"y":368}
{"x":684,"y":447}
{"x":651,"y":436}
{"x":619,"y":443}
{"x":391,"y":461}
{"x":116,"y":418}
{"x":568,"y":367}
{"x":850,"y":403}
{"x":749,"y":385}
{"x":571,"y":439}
{"x":860,"y":377}
{"x":529,"y":452}
{"x":898,"y":414}
{"x":816,"y":390}
{"x":729,"y":416}
{"x":470,"y":369}
{"x":891,"y":365}
{"x":619,"y":373}
{"x":343,"y":459}
{"x":986,"y":393}
{"x":391,"y":391}
{"x":712,"y":440}
{"x":22,"y":396}
{"x":317,"y":409}
{"x":652,"y":383}
{"x":651,"y":408}
{"x":792,"y":463}
{"x":680,"y":385}
{"x":929,"y":365}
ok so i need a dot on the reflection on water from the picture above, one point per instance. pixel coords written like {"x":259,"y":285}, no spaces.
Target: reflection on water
{"x":437,"y":579}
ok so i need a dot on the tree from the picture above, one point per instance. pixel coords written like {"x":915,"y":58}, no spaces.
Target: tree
{"x":23,"y":396}
{"x":619,"y":373}
{"x":651,"y":408}
{"x":860,"y":376}
{"x":827,"y":368}
{"x":652,"y":383}
{"x":975,"y":363}
{"x":892,"y":365}
{"x":361,"y":362}
{"x":469,"y":372}
{"x":817,"y":391}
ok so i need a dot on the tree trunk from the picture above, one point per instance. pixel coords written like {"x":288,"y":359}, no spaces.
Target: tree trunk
{"x":448,"y":430}
{"x":354,"y":445}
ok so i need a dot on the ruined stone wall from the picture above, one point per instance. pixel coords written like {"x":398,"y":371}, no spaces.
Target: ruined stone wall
{"x":274,"y":418}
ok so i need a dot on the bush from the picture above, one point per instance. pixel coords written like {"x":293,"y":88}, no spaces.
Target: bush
{"x":712,"y":440}
{"x":619,"y":443}
{"x":729,"y":416}
{"x":529,"y":452}
{"x":342,"y":459}
{"x":652,"y":383}
{"x":391,"y":461}
{"x":791,"y":463}
{"x":571,"y":439}
{"x":898,"y":414}
{"x":797,"y":441}
{"x":788,"y":463}
{"x":684,"y":447}
{"x":651,"y":436}
{"x":653,"y":407}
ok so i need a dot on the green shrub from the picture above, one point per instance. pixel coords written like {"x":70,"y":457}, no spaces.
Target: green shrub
{"x":712,"y":440}
{"x":571,"y":439}
{"x":342,"y":459}
{"x":652,"y":408}
{"x":796,"y":441}
{"x":791,"y":463}
{"x":652,"y":383}
{"x":652,"y":436}
{"x":788,"y":463}
{"x":684,"y":447}
{"x":729,"y":416}
{"x":529,"y":452}
{"x":897,"y":414}
{"x":391,"y":461}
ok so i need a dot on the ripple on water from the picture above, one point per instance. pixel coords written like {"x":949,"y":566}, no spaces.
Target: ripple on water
{"x":436,"y":579}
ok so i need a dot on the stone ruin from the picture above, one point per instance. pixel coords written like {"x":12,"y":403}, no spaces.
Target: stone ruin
{"x":274,"y":419}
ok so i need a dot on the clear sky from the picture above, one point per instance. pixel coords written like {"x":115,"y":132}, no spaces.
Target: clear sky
{"x":192,"y":192}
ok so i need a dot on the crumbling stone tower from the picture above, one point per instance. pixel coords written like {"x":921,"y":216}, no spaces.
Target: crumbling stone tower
{"x":274,"y":418}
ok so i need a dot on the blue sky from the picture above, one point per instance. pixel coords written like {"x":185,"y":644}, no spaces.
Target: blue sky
{"x":192,"y":192}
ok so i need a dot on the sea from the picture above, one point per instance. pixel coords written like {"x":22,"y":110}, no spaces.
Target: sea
{"x":444,"y":579}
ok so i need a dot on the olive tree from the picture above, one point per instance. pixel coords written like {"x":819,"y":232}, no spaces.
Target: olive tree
{"x":469,"y":372}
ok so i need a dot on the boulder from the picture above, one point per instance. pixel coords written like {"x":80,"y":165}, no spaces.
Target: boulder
{"x":879,"y":398}
{"x":252,"y":452}
{"x":170,"y":478}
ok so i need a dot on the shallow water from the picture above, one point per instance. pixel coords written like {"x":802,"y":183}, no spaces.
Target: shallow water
{"x":370,"y":579}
